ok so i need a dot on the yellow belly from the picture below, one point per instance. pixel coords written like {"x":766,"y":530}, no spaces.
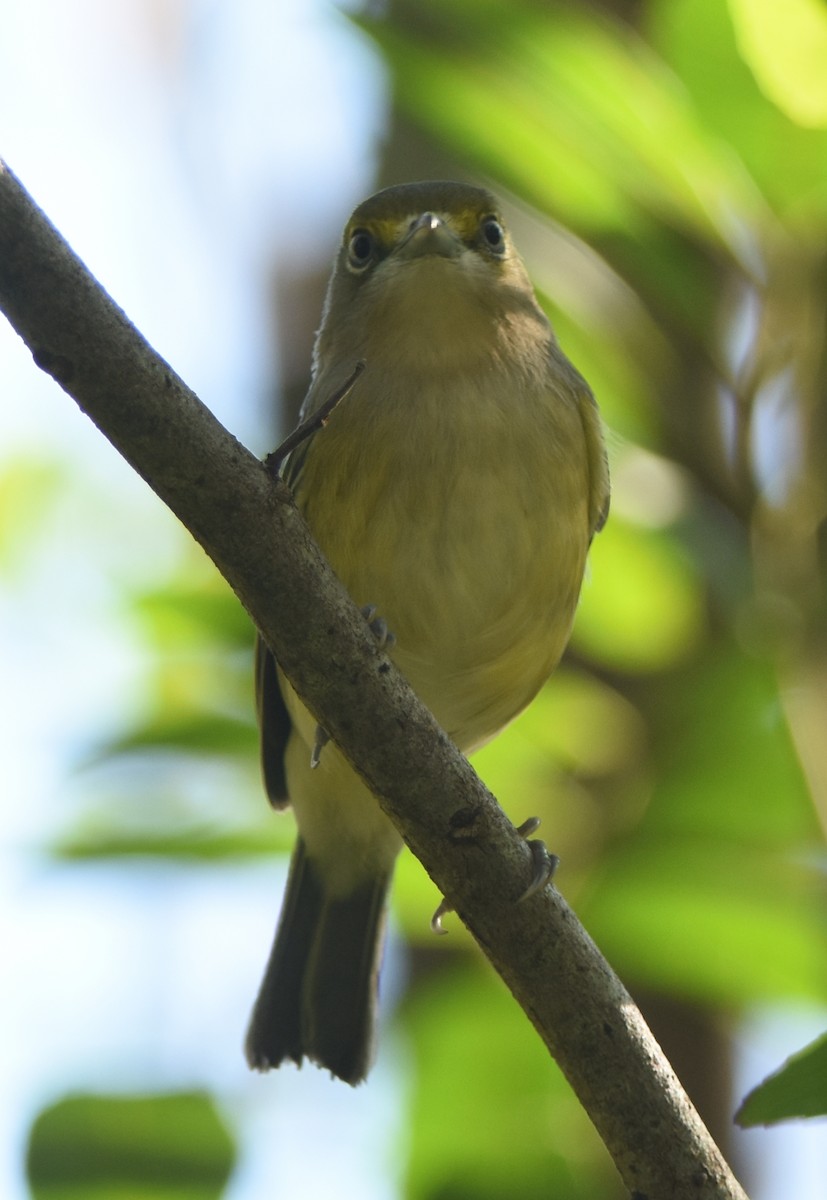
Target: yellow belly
{"x":464,"y":519}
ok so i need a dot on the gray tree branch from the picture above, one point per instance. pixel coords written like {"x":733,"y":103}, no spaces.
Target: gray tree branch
{"x":247,"y":523}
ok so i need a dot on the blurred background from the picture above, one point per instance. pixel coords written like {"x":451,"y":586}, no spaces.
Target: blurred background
{"x":664,"y":169}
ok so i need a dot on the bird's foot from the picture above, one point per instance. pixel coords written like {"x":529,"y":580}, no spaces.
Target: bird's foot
{"x":319,"y":742}
{"x":378,"y":627}
{"x":544,"y":865}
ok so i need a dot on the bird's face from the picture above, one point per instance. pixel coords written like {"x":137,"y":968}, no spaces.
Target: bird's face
{"x":426,"y":272}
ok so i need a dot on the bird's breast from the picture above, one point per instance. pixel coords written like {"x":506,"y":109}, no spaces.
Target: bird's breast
{"x":461,"y":511}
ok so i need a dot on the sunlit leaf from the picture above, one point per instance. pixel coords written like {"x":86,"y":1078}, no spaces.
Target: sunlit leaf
{"x":797,"y":1089}
{"x":786,"y":48}
{"x":789,"y":160}
{"x":574,"y":114}
{"x":641,"y":606}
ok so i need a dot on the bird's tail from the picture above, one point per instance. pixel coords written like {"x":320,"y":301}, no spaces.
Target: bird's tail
{"x":319,"y":993}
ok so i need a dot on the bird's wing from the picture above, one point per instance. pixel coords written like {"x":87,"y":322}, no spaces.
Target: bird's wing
{"x":275,"y":724}
{"x":599,"y":489}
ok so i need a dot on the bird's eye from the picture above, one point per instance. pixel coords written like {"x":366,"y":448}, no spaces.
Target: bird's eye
{"x":493,"y":233}
{"x":360,"y":249}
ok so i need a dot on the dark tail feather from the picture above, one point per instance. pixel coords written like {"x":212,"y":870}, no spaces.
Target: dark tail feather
{"x":275,"y":1032}
{"x":318,"y":997}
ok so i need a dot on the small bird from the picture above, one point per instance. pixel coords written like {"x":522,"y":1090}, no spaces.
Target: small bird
{"x":455,"y":492}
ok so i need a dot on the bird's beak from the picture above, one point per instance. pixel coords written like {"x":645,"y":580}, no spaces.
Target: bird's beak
{"x":429,"y":234}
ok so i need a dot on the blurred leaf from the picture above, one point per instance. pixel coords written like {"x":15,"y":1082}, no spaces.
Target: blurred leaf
{"x":130,"y":1147}
{"x":720,"y":924}
{"x":711,"y":896}
{"x":207,"y":613}
{"x":580,"y":722}
{"x":726,"y":765}
{"x":179,"y":781}
{"x":574,"y":114}
{"x":29,"y":491}
{"x":786,"y":47}
{"x":186,"y":845}
{"x":788,"y":160}
{"x":194,"y":733}
{"x":600,"y":343}
{"x":172,"y":805}
{"x":506,"y":1121}
{"x":641,"y":608}
{"x":797,"y":1089}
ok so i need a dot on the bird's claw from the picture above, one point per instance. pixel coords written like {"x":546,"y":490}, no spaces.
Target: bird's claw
{"x":319,"y":743}
{"x":436,"y":919}
{"x":378,"y":627}
{"x":544,"y":865}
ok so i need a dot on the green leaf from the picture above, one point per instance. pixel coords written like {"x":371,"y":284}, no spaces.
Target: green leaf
{"x":725,"y":925}
{"x":712,"y":895}
{"x":491,"y":1114}
{"x":201,"y":733}
{"x":797,"y":1089}
{"x":788,"y":160}
{"x":726,"y":765}
{"x":572,"y":112}
{"x":785,"y":45}
{"x":119,"y":1147}
{"x":192,"y":844}
{"x":641,"y":608}
{"x":198,"y":613}
{"x":30,"y":492}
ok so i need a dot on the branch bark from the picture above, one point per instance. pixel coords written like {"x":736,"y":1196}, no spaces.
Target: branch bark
{"x":247,"y":523}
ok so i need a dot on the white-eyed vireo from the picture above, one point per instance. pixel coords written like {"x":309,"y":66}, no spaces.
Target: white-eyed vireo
{"x":456,"y":489}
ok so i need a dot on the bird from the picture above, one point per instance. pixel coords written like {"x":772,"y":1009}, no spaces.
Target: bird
{"x":455,"y":492}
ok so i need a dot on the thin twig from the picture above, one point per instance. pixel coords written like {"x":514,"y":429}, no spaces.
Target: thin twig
{"x":315,"y":421}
